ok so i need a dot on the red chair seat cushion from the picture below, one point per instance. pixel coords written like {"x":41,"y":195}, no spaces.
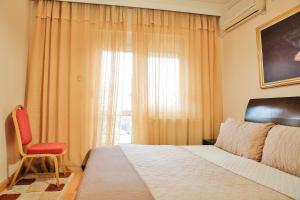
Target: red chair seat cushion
{"x":47,"y":148}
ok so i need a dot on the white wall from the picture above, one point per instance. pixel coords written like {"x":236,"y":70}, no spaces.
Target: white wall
{"x":13,"y":59}
{"x":240,"y":63}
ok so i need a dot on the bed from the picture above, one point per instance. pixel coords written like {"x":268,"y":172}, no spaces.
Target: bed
{"x":199,"y":172}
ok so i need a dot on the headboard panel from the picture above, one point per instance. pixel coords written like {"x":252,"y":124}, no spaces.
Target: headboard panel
{"x":283,"y":110}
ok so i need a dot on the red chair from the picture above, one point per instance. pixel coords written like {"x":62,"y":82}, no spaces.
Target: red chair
{"x":42,"y":150}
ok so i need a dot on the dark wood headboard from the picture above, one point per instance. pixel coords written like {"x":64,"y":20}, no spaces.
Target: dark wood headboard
{"x":283,"y":110}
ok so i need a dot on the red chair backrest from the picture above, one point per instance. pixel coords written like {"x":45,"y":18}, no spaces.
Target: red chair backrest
{"x":24,"y":125}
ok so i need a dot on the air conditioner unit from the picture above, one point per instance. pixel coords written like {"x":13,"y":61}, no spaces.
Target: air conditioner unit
{"x":239,"y":11}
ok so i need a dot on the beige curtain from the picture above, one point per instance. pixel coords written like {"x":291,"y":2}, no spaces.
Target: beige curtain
{"x":176,"y":82}
{"x":68,"y":55}
{"x":83,"y":65}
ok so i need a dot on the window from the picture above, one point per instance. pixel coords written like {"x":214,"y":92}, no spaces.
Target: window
{"x":163,"y":79}
{"x":116,"y":84}
{"x":163,"y":87}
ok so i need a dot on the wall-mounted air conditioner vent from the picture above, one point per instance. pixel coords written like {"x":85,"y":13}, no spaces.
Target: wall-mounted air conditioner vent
{"x":239,"y":12}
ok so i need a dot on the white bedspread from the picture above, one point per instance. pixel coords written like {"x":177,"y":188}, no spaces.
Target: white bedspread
{"x":206,"y":172}
{"x":260,"y":173}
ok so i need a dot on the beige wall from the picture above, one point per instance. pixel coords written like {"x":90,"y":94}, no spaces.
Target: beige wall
{"x":239,"y":67}
{"x":13,"y":58}
{"x":240,"y":63}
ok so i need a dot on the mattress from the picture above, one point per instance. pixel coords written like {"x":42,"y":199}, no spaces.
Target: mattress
{"x":145,"y":172}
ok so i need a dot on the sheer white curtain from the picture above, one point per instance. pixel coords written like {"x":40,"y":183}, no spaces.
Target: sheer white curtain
{"x":115,"y":93}
{"x":176,"y":81}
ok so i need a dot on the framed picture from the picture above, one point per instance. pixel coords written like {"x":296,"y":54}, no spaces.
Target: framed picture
{"x":279,"y":50}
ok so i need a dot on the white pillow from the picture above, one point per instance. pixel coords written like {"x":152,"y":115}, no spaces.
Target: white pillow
{"x":243,"y":138}
{"x":282,"y":149}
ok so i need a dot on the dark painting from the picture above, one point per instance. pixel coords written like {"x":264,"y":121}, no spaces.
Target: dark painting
{"x":280,"y":45}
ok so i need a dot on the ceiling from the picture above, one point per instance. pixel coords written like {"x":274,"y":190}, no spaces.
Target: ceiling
{"x":207,"y":7}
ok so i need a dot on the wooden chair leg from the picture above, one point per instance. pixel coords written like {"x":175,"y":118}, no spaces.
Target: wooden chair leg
{"x":16,"y":173}
{"x":28,"y":166}
{"x":56,"y":170}
{"x":60,"y":163}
